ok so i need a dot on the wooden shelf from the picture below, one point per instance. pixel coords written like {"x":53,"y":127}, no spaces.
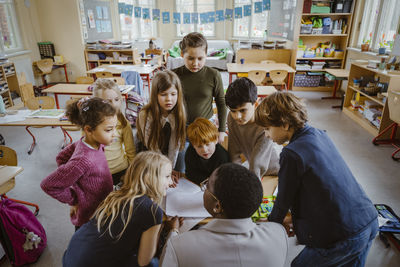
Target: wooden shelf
{"x":110,"y":50}
{"x":326,"y":14}
{"x":324,"y":35}
{"x":131,"y":53}
{"x":319,"y":58}
{"x":373,"y":98}
{"x":363,"y":122}
{"x":322,"y":70}
{"x":315,"y":89}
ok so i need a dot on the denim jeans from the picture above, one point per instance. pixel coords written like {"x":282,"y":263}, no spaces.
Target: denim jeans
{"x":180,"y":165}
{"x":350,"y":252}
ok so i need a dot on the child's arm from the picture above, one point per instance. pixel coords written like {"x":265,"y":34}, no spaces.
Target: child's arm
{"x":288,"y":184}
{"x":233,"y":143}
{"x":129,"y":145}
{"x":65,"y":154}
{"x":263,"y":158}
{"x":59,"y":183}
{"x":219,"y":96}
{"x":148,"y":245}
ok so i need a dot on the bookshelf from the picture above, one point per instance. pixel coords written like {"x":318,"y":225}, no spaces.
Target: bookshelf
{"x":357,"y":71}
{"x":8,"y":82}
{"x":97,"y":57}
{"x":340,"y":40}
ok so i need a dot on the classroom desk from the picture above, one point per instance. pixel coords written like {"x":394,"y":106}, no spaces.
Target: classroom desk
{"x":41,"y":122}
{"x":144,"y":71}
{"x":235,"y":68}
{"x":339,"y":74}
{"x":147,"y":58}
{"x":75,"y":89}
{"x":263,"y":91}
{"x":7,"y":177}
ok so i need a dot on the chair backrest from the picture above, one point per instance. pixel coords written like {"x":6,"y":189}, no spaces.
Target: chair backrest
{"x":394,"y":105}
{"x":45,"y":65}
{"x":267,"y":61}
{"x":118,"y":80}
{"x":104,"y":74}
{"x":26,"y":92}
{"x":257,"y":76}
{"x":278,"y":76}
{"x":8,"y":156}
{"x":44,"y":102}
{"x":84,"y":80}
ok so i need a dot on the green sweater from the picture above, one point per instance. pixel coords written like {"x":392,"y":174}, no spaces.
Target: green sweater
{"x":199,"y":89}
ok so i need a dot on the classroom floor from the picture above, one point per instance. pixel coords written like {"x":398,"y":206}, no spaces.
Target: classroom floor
{"x":371,"y":165}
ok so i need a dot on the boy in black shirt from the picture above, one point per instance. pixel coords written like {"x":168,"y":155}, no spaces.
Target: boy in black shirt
{"x":204,"y":154}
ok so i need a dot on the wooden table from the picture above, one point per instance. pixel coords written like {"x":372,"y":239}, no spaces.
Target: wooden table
{"x":58,"y":65}
{"x":7,"y":177}
{"x":39,"y":122}
{"x":235,"y":68}
{"x":339,"y":74}
{"x":147,"y":58}
{"x":74,"y":89}
{"x":144,"y":71}
{"x":263,"y":91}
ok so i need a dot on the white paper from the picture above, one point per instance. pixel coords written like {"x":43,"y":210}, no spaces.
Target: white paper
{"x":92,"y":23}
{"x":186,"y":200}
{"x":20,"y":116}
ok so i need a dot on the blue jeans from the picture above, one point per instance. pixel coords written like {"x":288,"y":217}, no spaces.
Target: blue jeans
{"x":180,"y":165}
{"x":350,"y":252}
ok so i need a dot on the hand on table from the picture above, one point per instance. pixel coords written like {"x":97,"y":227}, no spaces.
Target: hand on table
{"x":173,"y":223}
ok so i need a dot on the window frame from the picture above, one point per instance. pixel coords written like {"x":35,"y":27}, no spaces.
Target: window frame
{"x":196,"y":29}
{"x":14,"y":28}
{"x":250,"y":23}
{"x":375,"y":36}
{"x":138,"y":25}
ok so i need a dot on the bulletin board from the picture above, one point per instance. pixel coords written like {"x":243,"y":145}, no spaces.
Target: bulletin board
{"x":96,"y":19}
{"x":282,"y":18}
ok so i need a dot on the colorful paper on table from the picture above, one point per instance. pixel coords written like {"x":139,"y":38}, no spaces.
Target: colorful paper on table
{"x":20,"y":116}
{"x":186,"y":200}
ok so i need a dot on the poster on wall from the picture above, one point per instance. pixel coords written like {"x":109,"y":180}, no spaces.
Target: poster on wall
{"x":165,"y":18}
{"x":105,"y":12}
{"x":195,"y":18}
{"x":177,"y":18}
{"x":156,"y":14}
{"x":219,"y":15}
{"x":99,"y":11}
{"x":85,"y":32}
{"x":98,"y":26}
{"x":92,"y":23}
{"x":228,"y":14}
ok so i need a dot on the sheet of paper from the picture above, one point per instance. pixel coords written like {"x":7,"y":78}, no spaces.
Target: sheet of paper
{"x":186,"y":200}
{"x":20,"y":116}
{"x":47,"y":113}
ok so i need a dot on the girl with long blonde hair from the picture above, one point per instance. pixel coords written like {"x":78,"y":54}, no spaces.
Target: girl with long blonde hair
{"x":124,"y":229}
{"x":122,"y":150}
{"x":162,"y":123}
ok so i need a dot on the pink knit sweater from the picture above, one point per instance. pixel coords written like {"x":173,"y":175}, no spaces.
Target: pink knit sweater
{"x":82,"y":178}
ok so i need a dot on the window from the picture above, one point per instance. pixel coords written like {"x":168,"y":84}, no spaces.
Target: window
{"x":253,"y":26}
{"x":379,"y":23}
{"x":10,"y":40}
{"x":195,"y":6}
{"x":133,"y":28}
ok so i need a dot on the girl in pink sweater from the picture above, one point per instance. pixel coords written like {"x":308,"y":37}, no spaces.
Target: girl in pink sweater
{"x":83,"y":179}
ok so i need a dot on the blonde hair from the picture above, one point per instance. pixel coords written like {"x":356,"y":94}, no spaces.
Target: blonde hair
{"x":102,"y":85}
{"x":201,"y":132}
{"x":141,"y":178}
{"x":163,"y":81}
{"x":281,"y":108}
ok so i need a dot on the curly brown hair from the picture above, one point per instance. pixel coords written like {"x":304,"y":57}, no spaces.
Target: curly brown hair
{"x":281,"y":108}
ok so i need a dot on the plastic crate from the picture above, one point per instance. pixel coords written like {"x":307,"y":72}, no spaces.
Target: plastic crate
{"x":316,"y":31}
{"x":303,"y":80}
{"x":46,"y":50}
{"x":305,"y":28}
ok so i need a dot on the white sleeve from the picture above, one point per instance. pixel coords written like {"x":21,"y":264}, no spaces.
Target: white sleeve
{"x":168,"y":257}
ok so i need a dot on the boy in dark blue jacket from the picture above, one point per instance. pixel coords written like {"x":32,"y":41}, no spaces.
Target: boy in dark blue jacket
{"x":331,"y":213}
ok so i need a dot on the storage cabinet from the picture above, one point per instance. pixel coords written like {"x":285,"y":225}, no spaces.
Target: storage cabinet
{"x":357,"y":71}
{"x":97,"y":57}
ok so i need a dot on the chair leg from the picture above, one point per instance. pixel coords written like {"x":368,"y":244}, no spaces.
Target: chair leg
{"x":34,"y":140}
{"x":395,"y":152}
{"x":65,"y":138}
{"x":392,"y":139}
{"x":25,"y":203}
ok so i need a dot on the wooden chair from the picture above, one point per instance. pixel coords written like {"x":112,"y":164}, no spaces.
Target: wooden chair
{"x":84,"y":80}
{"x":27,"y":92}
{"x":8,"y":157}
{"x":278,"y":78}
{"x":42,"y":102}
{"x":118,"y":80}
{"x":104,"y":74}
{"x":267,"y":61}
{"x":257,"y":76}
{"x":44,"y":66}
